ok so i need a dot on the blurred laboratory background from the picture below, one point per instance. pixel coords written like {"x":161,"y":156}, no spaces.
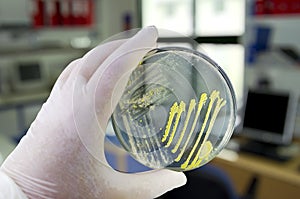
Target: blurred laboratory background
{"x":256,"y":42}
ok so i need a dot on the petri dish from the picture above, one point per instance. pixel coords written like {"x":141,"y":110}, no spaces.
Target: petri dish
{"x":178,"y":110}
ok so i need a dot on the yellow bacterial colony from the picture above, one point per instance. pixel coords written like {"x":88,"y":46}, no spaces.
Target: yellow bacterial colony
{"x":176,"y":111}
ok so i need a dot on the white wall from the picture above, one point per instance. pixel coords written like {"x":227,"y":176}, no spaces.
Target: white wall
{"x":110,"y":15}
{"x":14,"y":11}
{"x":285,"y":29}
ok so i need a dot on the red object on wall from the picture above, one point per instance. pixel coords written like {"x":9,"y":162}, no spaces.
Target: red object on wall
{"x":82,"y":12}
{"x":90,"y":13}
{"x":276,"y":7}
{"x":66,"y":14}
{"x":62,"y":13}
{"x":38,"y":16}
{"x":55,"y":16}
{"x":258,"y":7}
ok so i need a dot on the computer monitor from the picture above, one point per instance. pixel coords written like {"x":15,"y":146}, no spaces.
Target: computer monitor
{"x":269,"y":116}
{"x":28,"y":76}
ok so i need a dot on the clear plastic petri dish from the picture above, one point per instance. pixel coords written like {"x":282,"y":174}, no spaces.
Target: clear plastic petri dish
{"x":178,"y":110}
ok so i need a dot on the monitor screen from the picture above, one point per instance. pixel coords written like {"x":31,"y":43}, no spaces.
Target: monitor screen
{"x":269,"y":116}
{"x":29,"y":75}
{"x":29,"y":71}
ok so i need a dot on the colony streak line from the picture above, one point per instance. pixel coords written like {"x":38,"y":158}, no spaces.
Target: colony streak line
{"x":194,"y":158}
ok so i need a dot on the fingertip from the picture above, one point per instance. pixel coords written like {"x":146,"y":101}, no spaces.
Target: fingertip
{"x":64,"y":76}
{"x":150,"y":184}
{"x":175,"y":178}
{"x":180,"y":179}
{"x":164,"y":179}
{"x":146,"y":36}
{"x":150,"y":30}
{"x":169,"y":180}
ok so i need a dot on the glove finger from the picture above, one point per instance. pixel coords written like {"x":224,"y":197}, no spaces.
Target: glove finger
{"x":151,"y":184}
{"x":94,"y":58}
{"x":91,"y":117}
{"x":91,"y":61}
{"x":66,"y":73}
{"x":141,"y":43}
{"x":110,"y":79}
{"x":165,"y":180}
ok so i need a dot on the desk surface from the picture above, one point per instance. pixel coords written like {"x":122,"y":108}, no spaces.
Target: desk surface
{"x":289,"y":170}
{"x":277,"y":179}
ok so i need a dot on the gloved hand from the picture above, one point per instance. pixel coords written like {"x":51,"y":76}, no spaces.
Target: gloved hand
{"x":62,"y":154}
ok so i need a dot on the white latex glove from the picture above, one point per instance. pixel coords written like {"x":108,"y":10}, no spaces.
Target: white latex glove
{"x":62,"y":154}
